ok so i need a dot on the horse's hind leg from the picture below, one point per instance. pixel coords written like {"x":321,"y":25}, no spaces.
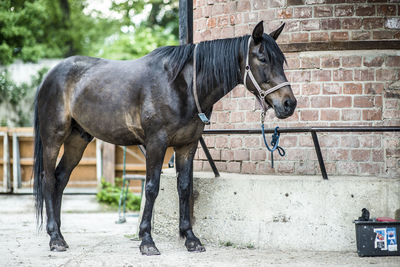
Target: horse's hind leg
{"x":184,"y":168}
{"x":51,"y":148}
{"x":74,"y":146}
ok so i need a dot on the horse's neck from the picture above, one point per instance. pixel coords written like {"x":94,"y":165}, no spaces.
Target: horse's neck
{"x":210,"y":96}
{"x":208,"y":99}
{"x":214,"y":95}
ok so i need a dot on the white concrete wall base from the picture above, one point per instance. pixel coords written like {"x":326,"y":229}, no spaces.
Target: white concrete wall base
{"x":276,"y":212}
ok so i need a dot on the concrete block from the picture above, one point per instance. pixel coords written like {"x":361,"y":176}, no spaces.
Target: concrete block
{"x":276,"y":212}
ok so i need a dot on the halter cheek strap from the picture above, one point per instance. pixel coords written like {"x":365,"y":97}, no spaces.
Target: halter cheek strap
{"x":201,"y":115}
{"x":261,"y":93}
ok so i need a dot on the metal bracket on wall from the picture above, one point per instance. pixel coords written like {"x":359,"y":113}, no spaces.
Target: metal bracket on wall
{"x":209,"y":157}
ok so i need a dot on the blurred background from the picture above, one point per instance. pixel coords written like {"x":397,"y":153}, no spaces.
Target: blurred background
{"x":36,"y":34}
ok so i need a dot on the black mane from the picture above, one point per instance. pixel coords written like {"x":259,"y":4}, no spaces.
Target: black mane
{"x":217,"y":60}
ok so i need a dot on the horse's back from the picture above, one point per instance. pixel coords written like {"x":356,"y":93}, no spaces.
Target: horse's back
{"x":66,"y":74}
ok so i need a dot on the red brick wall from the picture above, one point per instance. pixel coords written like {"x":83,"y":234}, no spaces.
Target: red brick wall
{"x":333,"y":88}
{"x":306,"y":20}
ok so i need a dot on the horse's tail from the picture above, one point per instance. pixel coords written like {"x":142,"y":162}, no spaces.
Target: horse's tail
{"x":38,"y":169}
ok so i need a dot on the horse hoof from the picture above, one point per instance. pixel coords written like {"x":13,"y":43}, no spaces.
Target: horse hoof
{"x":58,"y":245}
{"x":149,"y":250}
{"x":65,"y":243}
{"x":194,"y":246}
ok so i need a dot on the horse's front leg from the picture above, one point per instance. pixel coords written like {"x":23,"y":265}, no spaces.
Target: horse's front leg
{"x":155,"y":152}
{"x":184,"y":168}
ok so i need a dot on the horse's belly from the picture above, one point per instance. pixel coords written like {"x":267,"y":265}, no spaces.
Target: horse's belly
{"x":120,"y":136}
{"x":115,"y":126}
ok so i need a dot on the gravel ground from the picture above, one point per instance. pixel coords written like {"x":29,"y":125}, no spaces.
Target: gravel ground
{"x":95,"y":240}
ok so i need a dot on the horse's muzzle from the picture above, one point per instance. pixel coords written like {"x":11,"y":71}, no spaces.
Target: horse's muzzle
{"x":286,"y":108}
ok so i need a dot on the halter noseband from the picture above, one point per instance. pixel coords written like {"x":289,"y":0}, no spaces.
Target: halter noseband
{"x":261,"y":93}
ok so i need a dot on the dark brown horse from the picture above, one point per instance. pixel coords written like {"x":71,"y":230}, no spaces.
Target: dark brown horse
{"x":147,"y":101}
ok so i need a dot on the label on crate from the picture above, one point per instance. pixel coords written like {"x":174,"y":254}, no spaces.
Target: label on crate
{"x":380,"y":239}
{"x":391,"y":239}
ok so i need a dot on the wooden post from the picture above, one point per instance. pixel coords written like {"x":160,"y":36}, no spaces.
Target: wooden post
{"x":16,"y":164}
{"x":99,"y":162}
{"x":109,"y":162}
{"x":6,"y":164}
{"x":185,"y":21}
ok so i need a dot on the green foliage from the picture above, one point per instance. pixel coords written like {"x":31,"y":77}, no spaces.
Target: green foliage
{"x":159,"y":28}
{"x":35,"y":29}
{"x":137,"y":44}
{"x":250,"y":246}
{"x":228,"y":244}
{"x":110,"y":194}
{"x":87,"y":32}
{"x":133,"y":237}
{"x":163,"y":13}
{"x":18,"y":99}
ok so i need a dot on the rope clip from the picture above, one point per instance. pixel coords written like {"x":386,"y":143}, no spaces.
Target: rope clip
{"x":274,"y":142}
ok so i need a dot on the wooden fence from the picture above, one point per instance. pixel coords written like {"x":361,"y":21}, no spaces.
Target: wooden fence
{"x":99,"y":160}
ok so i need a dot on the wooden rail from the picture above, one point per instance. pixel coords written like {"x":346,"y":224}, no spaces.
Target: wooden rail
{"x":16,"y":162}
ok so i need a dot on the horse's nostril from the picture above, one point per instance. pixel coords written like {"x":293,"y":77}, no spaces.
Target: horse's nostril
{"x":287,"y":103}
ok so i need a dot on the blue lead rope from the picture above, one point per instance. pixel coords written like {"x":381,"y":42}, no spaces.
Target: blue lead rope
{"x":274,"y":144}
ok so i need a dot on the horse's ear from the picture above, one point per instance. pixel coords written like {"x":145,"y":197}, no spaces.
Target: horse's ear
{"x":258,"y":32}
{"x":275,"y":34}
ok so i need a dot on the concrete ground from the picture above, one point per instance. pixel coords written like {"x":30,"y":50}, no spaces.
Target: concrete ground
{"x":95,"y":240}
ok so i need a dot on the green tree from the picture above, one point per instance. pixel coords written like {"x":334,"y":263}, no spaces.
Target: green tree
{"x":163,"y":13}
{"x":160,"y":27}
{"x":34,"y":29}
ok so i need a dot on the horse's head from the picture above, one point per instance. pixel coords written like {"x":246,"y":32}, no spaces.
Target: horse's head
{"x":264,"y":75}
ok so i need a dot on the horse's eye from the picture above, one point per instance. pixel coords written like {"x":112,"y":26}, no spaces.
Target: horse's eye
{"x":262,"y":59}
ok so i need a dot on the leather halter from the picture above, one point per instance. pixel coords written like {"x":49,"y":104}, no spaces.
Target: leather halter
{"x":247,"y":72}
{"x":261,"y":93}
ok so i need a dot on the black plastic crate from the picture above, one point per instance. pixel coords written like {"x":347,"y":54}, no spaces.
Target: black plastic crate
{"x":377,"y":238}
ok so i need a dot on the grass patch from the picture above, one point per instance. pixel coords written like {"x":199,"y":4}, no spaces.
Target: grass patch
{"x":227,"y":244}
{"x":230,"y":244}
{"x":110,"y":194}
{"x":132,"y":237}
{"x":250,"y":246}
